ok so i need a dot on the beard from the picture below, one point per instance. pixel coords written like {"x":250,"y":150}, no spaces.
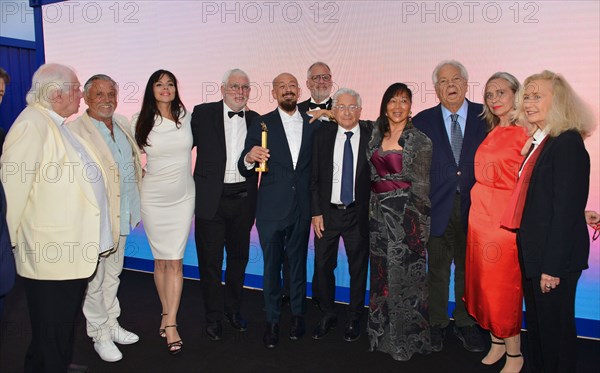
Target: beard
{"x":289,"y":104}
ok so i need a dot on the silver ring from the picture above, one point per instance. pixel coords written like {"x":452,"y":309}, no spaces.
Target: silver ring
{"x":548,"y":286}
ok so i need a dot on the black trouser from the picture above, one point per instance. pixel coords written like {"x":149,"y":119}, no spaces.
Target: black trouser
{"x":342,"y":223}
{"x":230,"y":228}
{"x":53,"y":307}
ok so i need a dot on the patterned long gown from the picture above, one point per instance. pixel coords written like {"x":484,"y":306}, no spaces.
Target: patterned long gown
{"x":399,"y":229}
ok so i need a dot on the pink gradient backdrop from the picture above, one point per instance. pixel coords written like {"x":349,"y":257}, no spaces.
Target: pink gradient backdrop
{"x":368,"y":45}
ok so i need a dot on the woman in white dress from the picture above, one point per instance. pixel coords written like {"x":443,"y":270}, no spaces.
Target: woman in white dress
{"x":163,"y":132}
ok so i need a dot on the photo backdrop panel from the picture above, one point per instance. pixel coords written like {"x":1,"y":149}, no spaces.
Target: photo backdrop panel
{"x":368,"y":45}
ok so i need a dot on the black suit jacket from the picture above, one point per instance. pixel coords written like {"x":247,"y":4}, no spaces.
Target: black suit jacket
{"x":323,"y":174}
{"x":445,"y":175}
{"x":282,"y":188}
{"x":209,"y":139}
{"x":553,"y":236}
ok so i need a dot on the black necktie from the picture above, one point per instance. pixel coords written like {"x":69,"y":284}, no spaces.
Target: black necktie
{"x":347,"y":189}
{"x":232,"y":113}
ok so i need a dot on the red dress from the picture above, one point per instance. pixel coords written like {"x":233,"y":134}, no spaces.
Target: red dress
{"x":493,"y":293}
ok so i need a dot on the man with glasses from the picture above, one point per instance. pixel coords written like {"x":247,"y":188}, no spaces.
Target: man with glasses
{"x":319,"y":82}
{"x":283,"y":207}
{"x":456,"y":130}
{"x":225,"y":201}
{"x":340,"y":187}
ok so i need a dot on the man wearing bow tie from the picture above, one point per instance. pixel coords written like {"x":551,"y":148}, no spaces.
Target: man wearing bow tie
{"x":225,"y":201}
{"x":319,"y":82}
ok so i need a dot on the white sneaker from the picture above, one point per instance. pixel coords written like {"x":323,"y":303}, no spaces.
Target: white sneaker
{"x":108,"y":351}
{"x":122,"y":336}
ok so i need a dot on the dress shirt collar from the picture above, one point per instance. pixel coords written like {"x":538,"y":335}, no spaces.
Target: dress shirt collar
{"x":342,"y":131}
{"x":286,"y":116}
{"x":462,"y":112}
{"x":56,"y":118}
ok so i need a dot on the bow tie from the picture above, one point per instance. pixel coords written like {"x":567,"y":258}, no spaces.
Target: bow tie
{"x":323,"y":106}
{"x":232,"y":113}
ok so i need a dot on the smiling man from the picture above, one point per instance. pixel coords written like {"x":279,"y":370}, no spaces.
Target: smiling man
{"x":117,"y":151}
{"x":319,"y":82}
{"x":455,"y":130}
{"x":225,"y":201}
{"x":283,"y":204}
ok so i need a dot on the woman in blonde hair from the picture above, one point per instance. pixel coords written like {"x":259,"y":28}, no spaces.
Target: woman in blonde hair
{"x":493,"y":294}
{"x":549,"y":214}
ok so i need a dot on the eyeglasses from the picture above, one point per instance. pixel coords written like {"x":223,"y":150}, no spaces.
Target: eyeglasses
{"x":237,"y":87}
{"x":323,"y":77}
{"x":350,"y":108}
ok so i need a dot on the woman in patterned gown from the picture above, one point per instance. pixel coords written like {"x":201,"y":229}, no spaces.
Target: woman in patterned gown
{"x":493,"y":292}
{"x":164,"y":133}
{"x":400,"y":157}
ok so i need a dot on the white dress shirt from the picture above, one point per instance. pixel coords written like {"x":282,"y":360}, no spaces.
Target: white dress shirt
{"x":292,"y":125}
{"x":538,"y":137}
{"x":338,"y":157}
{"x":235,"y":135}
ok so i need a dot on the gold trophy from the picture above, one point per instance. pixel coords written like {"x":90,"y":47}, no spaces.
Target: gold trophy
{"x":263,"y":165}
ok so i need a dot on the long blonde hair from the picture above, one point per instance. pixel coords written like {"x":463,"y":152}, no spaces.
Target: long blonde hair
{"x":568,"y":111}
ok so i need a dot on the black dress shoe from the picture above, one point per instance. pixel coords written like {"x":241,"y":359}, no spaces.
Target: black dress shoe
{"x":352,"y":331}
{"x":237,"y":321}
{"x":471,"y":338}
{"x":285,"y":300}
{"x":214,"y":329}
{"x":297,"y":328}
{"x":324,"y":326}
{"x":271,"y":335}
{"x":75,"y":368}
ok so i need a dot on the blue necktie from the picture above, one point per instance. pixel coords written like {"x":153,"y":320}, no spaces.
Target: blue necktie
{"x":456,"y":138}
{"x":347,"y":172}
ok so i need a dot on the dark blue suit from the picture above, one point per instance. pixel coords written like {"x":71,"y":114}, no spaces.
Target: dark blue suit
{"x":449,"y":209}
{"x":282,"y":210}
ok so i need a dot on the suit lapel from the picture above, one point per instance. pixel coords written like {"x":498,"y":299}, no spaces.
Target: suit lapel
{"x":218,"y":121}
{"x":470,"y":129}
{"x":277,"y":133}
{"x":362,"y":150}
{"x":306,"y":136}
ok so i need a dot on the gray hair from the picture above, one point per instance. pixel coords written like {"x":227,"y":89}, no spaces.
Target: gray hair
{"x":458,"y":65}
{"x":231,"y":72}
{"x":318,"y":63}
{"x":90,"y":81}
{"x":48,"y":79}
{"x":346,"y":91}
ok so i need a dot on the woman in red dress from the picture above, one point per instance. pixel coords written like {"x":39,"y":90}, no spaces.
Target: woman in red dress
{"x":493,"y":293}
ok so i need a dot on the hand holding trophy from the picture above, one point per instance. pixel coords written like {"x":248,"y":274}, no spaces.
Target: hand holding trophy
{"x":263,"y":165}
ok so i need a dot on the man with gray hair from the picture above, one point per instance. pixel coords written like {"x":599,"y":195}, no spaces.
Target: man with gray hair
{"x":456,"y":130}
{"x":225,"y":201}
{"x":319,"y":82}
{"x":118,"y":152}
{"x":58,"y":215}
{"x":340,"y":187}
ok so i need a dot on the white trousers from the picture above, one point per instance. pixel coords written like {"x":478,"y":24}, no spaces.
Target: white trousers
{"x":101,"y":306}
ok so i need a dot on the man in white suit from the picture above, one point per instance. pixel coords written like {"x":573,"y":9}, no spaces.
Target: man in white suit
{"x":57,"y":216}
{"x":117,"y":151}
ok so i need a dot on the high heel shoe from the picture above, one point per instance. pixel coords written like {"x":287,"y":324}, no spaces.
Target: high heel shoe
{"x":161,"y":331}
{"x":495,"y":363}
{"x":517,"y":356}
{"x":174,"y":347}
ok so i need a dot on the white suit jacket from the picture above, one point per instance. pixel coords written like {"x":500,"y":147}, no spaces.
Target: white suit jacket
{"x":52,"y":213}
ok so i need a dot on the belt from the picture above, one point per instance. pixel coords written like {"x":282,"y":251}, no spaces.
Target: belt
{"x":238,"y":195}
{"x":341,"y":206}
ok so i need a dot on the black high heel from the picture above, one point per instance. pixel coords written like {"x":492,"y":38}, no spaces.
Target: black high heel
{"x":174,"y":347}
{"x":499,"y":359}
{"x":161,"y":331}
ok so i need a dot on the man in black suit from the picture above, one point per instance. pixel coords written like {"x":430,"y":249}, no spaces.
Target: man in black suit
{"x":456,"y":130}
{"x":340,"y":188}
{"x":225,"y":201}
{"x":283,"y":205}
